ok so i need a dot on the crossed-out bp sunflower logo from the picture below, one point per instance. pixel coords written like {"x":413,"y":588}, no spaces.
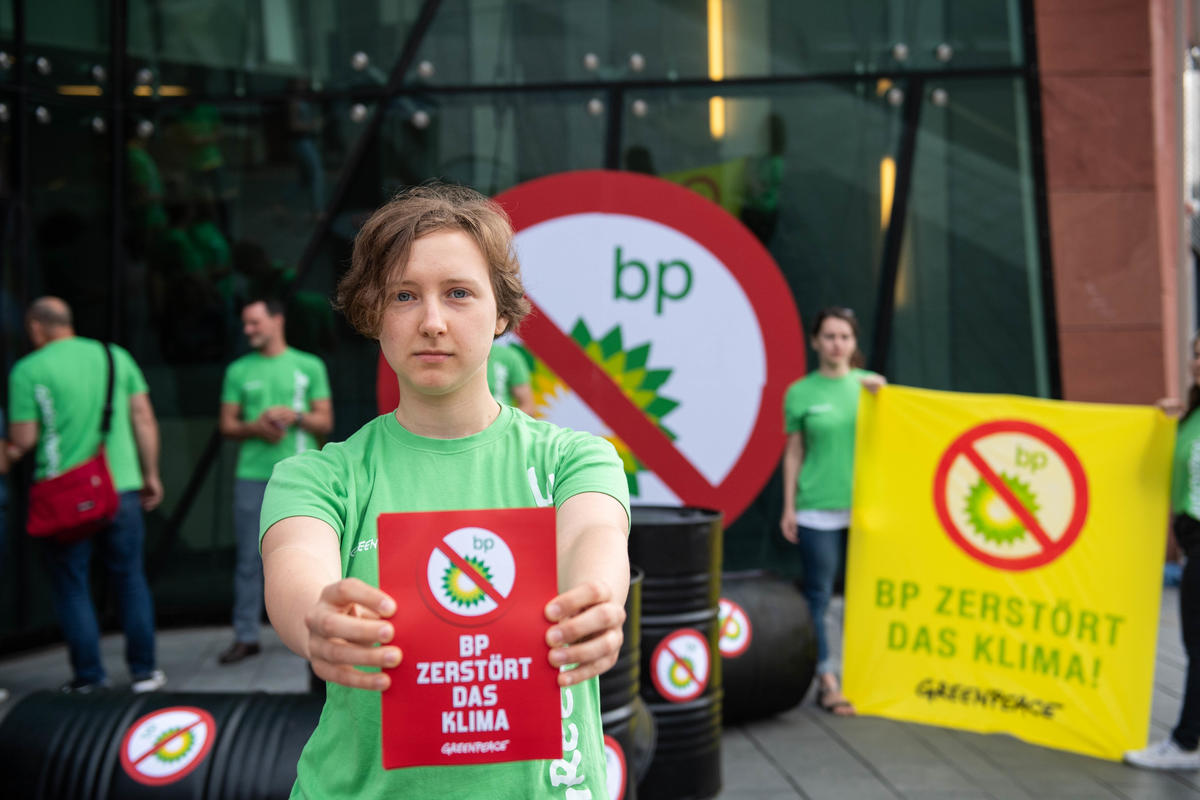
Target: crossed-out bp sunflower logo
{"x":629,"y":368}
{"x":469,"y":574}
{"x":165,"y":745}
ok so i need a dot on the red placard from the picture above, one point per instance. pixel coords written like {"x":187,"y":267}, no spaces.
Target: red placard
{"x":475,"y":685}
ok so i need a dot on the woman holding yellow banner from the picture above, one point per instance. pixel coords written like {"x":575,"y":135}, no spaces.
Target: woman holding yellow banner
{"x":1181,"y":750}
{"x":818,"y":468}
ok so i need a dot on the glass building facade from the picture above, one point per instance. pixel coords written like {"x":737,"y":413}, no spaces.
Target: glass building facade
{"x":163,"y":159}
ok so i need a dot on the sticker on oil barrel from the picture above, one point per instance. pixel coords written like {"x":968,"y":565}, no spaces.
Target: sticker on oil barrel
{"x":735,"y":629}
{"x":680,"y":665}
{"x":165,"y":745}
{"x":614,"y":762}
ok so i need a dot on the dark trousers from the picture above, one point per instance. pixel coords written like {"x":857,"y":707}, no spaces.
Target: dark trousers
{"x":1187,"y":533}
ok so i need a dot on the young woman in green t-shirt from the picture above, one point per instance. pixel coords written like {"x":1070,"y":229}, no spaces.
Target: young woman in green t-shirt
{"x":1181,"y":748}
{"x":434,"y":279}
{"x":818,"y":468}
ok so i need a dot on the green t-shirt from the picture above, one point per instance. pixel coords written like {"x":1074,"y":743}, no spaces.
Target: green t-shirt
{"x":824,"y":411}
{"x":61,"y":387}
{"x":1185,"y":472}
{"x":505,"y":369}
{"x":255,"y":382}
{"x":516,"y":462}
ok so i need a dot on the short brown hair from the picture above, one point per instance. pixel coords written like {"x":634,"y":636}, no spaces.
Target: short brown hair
{"x":385,"y":242}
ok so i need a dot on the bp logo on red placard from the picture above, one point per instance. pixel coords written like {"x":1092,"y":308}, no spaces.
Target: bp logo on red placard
{"x":735,"y":629}
{"x":165,"y":745}
{"x":1011,"y":494}
{"x":469,"y":575}
{"x":680,"y":665}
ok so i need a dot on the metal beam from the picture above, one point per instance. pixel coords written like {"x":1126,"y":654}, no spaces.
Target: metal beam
{"x":893,"y":241}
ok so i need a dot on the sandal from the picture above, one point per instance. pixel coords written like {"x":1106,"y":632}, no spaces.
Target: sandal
{"x":832,"y":701}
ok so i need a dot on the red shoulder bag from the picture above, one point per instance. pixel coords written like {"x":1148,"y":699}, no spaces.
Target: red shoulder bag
{"x":81,"y":501}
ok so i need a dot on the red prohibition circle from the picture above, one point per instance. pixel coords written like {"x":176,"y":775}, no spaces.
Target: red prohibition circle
{"x":615,"y":746}
{"x":748,"y":263}
{"x":458,"y":620}
{"x":745,"y":645}
{"x":130,"y":766}
{"x":663,"y":649}
{"x":1051,"y":550}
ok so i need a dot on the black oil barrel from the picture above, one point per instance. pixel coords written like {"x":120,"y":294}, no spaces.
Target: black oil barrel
{"x":154,"y":745}
{"x":619,"y":685}
{"x":768,"y":645}
{"x":620,"y":705}
{"x":630,"y":734}
{"x":680,"y":551}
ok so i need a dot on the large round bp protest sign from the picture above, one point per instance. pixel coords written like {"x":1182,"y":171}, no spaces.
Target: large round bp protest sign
{"x":660,"y":323}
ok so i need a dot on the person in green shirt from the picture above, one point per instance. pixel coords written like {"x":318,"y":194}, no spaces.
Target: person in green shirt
{"x":508,"y":377}
{"x":56,"y":398}
{"x":434,"y":279}
{"x":820,"y":411}
{"x":1181,"y":748}
{"x":276,"y":402}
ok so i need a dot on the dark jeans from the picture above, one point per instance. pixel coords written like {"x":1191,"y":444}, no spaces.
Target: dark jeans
{"x":1187,"y":533}
{"x":824,"y":556}
{"x":120,"y":545}
{"x":248,"y":572}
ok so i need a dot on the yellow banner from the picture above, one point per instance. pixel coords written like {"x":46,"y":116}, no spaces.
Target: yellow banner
{"x":724,"y":183}
{"x":1005,"y":565}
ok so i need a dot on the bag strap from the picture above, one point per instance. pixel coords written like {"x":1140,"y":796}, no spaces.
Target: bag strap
{"x":106,"y":415}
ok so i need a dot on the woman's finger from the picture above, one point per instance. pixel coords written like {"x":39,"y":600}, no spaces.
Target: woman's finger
{"x":330,"y":623}
{"x":338,"y":651}
{"x":596,"y":649}
{"x":349,"y":676}
{"x":597,"y":619}
{"x":572,"y":601}
{"x":351,"y":590}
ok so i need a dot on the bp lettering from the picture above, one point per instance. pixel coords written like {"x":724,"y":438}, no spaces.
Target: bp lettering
{"x":1032,"y":459}
{"x":672,"y":280}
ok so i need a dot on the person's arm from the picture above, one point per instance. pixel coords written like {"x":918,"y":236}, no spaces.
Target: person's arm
{"x":145,"y":437}
{"x":232,"y":427}
{"x":522,"y":397}
{"x":593,"y":578}
{"x":318,"y":420}
{"x":873,"y":383}
{"x":793,"y":458}
{"x":22,"y":436}
{"x":333,"y":622}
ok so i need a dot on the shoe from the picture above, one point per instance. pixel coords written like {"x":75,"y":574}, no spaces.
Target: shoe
{"x":148,"y":682}
{"x":80,"y":686}
{"x":237,"y":651}
{"x":1166,"y":754}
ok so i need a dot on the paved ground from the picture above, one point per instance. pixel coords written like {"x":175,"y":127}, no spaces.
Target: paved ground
{"x":803,"y":753}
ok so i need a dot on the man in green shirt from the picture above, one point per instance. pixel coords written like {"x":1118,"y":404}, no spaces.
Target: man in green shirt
{"x":56,"y":397}
{"x":276,"y":402}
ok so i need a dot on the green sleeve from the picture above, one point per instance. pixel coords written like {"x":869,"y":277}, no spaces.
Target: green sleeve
{"x":229,"y":386}
{"x":590,"y":464}
{"x":311,"y":484}
{"x":129,"y":373}
{"x":21,"y":405}
{"x":318,"y":385}
{"x":793,"y":420}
